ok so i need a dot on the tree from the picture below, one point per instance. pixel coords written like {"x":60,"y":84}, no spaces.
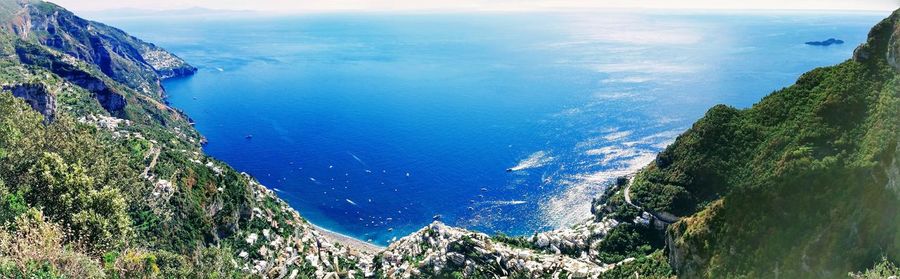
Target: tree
{"x":96,"y":214}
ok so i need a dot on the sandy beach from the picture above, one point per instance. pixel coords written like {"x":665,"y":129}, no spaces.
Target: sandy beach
{"x":353,"y":243}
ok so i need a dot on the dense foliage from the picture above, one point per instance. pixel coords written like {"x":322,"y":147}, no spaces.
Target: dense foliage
{"x":803,"y":184}
{"x":654,"y":265}
{"x":629,"y":241}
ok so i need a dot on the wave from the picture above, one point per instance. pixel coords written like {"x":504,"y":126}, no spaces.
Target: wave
{"x":614,"y":153}
{"x":537,"y":159}
{"x":614,"y":136}
{"x":512,"y":202}
{"x":628,"y":79}
{"x":573,"y":204}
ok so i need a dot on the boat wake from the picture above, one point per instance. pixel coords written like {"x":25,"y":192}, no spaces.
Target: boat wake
{"x":360,"y":161}
{"x":535,"y":160}
{"x":513,"y":202}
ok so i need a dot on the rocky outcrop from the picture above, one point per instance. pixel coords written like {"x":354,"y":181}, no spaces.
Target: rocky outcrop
{"x":439,"y":250}
{"x":893,"y":173}
{"x":685,"y":253}
{"x":111,"y":100}
{"x":122,"y":57}
{"x":883,"y":42}
{"x":37,"y":96}
{"x":893,"y":51}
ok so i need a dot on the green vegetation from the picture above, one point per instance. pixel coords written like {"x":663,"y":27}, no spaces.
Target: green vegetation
{"x":798,"y":185}
{"x":883,"y":269}
{"x":71,"y":194}
{"x":514,"y":241}
{"x":653,"y":265}
{"x":629,"y":241}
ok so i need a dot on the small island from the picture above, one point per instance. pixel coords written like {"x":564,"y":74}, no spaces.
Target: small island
{"x":830,"y":41}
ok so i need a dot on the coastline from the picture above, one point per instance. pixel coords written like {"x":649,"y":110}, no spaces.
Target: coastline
{"x":352,"y":243}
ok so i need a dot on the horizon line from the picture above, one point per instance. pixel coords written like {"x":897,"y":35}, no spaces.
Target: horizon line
{"x":471,"y":10}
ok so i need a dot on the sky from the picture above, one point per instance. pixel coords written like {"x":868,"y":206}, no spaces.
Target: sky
{"x":300,"y":6}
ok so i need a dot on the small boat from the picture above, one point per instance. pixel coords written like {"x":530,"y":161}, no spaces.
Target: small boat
{"x":509,"y":170}
{"x":249,"y":137}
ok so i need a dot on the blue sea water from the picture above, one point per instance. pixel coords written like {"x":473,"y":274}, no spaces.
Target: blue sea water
{"x":372,"y":124}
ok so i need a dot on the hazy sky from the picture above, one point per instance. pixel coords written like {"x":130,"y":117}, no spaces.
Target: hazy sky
{"x":473,"y":5}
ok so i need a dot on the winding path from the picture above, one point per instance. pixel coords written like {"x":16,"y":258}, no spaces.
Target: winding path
{"x":154,"y":151}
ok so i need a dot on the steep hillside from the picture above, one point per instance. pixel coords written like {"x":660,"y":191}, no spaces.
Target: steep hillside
{"x":124,"y":58}
{"x":99,"y":178}
{"x":801,"y":185}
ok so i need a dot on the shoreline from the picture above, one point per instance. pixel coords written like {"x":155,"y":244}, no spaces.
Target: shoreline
{"x":349,"y":241}
{"x":358,"y":245}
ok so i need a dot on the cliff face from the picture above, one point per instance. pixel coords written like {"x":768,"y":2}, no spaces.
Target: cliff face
{"x":38,"y":97}
{"x":123,"y":58}
{"x":112,"y":101}
{"x":893,"y":51}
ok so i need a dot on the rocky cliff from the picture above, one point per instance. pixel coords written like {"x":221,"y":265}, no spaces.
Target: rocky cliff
{"x":37,"y":96}
{"x":122,"y":57}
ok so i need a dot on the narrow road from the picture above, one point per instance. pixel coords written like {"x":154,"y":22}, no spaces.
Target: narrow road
{"x":628,"y":194}
{"x":154,"y":151}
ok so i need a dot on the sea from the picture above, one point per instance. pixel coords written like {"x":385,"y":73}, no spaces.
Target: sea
{"x":374,"y":125}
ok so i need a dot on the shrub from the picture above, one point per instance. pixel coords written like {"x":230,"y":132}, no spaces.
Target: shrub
{"x":96,"y":215}
{"x":36,"y":249}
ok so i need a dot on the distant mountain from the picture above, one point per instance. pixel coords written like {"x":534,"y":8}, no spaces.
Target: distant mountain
{"x":194,"y":12}
{"x":123,"y":58}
